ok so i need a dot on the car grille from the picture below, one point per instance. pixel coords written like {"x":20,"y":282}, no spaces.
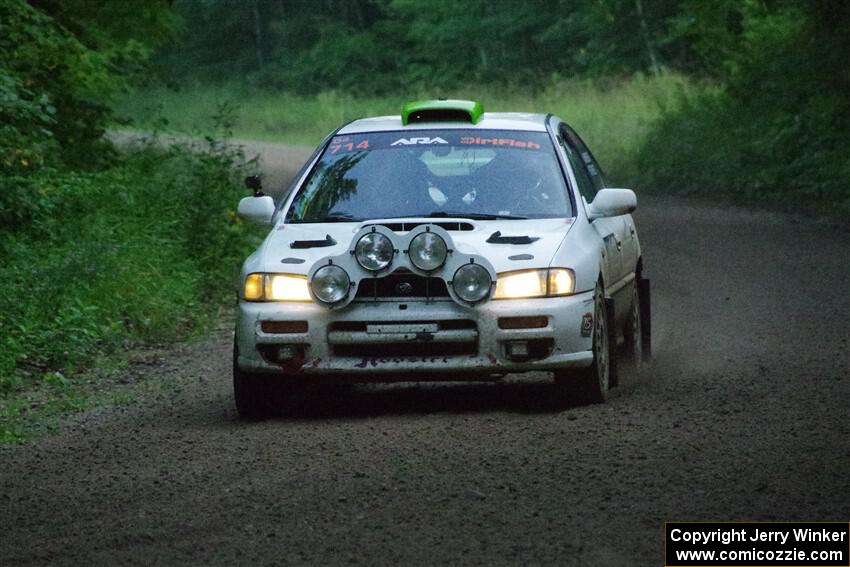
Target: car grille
{"x":401,"y":285}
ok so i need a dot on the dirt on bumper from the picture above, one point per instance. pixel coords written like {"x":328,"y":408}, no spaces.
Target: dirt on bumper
{"x":395,"y":339}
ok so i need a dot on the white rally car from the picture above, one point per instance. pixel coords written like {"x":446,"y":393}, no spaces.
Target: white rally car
{"x":442,"y":244}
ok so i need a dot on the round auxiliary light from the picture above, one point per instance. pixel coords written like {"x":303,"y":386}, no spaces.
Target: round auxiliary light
{"x":330,"y":284}
{"x":471,"y":283}
{"x":374,"y":251}
{"x":427,"y":251}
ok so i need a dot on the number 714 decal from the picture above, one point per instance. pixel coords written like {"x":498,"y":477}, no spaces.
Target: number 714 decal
{"x":349,"y":147}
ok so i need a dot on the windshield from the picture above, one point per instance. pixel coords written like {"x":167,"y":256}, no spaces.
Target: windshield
{"x":474,"y":173}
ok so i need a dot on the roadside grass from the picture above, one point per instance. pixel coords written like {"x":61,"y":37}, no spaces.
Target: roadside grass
{"x":118,"y":379}
{"x":99,"y":262}
{"x":613,"y":115}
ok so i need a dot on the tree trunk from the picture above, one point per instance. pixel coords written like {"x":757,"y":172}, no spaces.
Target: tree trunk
{"x":258,"y":34}
{"x":644,"y":30}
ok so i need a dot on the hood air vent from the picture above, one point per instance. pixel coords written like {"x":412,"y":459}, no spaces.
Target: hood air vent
{"x":408,"y":226}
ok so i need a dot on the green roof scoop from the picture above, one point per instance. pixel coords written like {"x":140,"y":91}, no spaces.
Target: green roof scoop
{"x":441,"y":111}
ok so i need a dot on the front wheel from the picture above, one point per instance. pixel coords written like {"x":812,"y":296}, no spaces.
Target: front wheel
{"x":251,"y":392}
{"x":645,"y":317}
{"x":634,"y":331}
{"x":590,"y":385}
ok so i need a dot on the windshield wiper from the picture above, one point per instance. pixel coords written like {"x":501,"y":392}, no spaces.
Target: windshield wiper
{"x":473,"y":216}
{"x":330,"y":217}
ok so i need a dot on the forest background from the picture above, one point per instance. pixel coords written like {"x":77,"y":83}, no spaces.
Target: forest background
{"x":104,"y":250}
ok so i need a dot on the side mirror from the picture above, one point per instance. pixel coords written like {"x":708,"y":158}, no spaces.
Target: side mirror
{"x":257,"y":209}
{"x":612,"y":203}
{"x":254,"y":183}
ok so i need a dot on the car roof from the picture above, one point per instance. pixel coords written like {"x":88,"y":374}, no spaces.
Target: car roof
{"x":489,"y":121}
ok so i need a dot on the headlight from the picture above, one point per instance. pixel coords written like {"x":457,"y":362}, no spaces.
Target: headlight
{"x":254,"y":287}
{"x":330,"y":284}
{"x":471,"y":283}
{"x":283,"y":287}
{"x":427,"y":251}
{"x":276,"y":287}
{"x":374,"y":251}
{"x":535,"y":283}
{"x":561,"y":281}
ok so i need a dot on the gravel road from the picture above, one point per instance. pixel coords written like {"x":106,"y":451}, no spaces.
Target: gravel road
{"x":742,"y":415}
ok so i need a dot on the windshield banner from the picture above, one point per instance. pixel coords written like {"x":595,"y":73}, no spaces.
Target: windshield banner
{"x":438,"y":138}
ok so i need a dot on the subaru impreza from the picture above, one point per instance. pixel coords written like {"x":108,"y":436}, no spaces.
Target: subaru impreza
{"x":443,"y":243}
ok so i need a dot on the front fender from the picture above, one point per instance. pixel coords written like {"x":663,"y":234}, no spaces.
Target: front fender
{"x":582,"y":251}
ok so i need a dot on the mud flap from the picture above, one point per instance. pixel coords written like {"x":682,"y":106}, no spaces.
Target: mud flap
{"x":613,"y":351}
{"x":646,"y":318}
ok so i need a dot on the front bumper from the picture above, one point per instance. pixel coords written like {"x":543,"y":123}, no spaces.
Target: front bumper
{"x":469,"y":340}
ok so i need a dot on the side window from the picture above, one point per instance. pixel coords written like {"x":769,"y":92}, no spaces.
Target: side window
{"x":293,"y":184}
{"x":585,"y":184}
{"x":592,"y":167}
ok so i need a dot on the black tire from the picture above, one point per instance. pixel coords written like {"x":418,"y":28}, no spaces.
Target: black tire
{"x":251,"y":391}
{"x":590,"y":385}
{"x":613,"y":353}
{"x":633,"y":331}
{"x":643,"y":288}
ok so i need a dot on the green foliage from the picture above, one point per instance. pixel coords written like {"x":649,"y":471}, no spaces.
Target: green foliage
{"x":114,"y":28}
{"x":33,"y":59}
{"x":26,"y":141}
{"x":60,"y":64}
{"x":778,"y":132}
{"x":368,"y":47}
{"x":144,"y":250}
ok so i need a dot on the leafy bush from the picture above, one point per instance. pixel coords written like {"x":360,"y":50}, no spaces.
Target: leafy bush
{"x":778,"y":130}
{"x":144,"y":250}
{"x":60,"y":64}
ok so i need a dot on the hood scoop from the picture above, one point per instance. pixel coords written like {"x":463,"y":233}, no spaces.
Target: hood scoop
{"x":301,"y":244}
{"x":497,"y":238}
